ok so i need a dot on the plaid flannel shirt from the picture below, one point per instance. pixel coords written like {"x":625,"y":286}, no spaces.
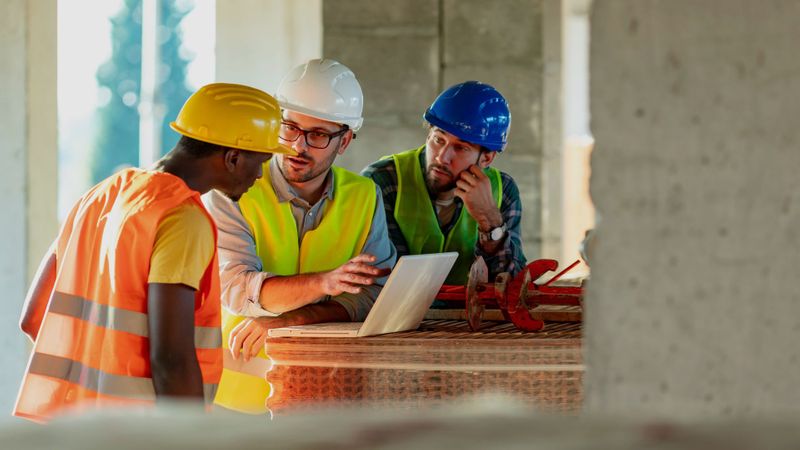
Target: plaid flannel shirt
{"x":508,"y":258}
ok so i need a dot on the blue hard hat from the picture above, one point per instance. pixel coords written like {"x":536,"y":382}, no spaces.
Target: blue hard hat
{"x":474,"y":112}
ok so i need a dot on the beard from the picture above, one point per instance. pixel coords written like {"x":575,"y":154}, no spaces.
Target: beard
{"x":309,"y":172}
{"x":298,"y":176}
{"x":437,"y":186}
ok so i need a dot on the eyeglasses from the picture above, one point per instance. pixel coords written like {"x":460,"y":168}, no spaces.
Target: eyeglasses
{"x":314,"y":138}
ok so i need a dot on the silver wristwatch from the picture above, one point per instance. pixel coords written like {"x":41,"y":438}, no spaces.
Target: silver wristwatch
{"x":495,"y":234}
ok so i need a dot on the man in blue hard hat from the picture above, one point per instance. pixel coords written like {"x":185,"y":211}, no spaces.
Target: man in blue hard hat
{"x":444,"y":196}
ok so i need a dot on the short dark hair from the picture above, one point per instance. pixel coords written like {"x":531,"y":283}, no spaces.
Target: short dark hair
{"x":198,"y":149}
{"x":428,"y":126}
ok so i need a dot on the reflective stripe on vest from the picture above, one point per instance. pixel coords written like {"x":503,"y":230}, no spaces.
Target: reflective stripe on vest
{"x":419,"y":224}
{"x":119,"y":319}
{"x":93,"y":346}
{"x":97,"y":380}
{"x":340,"y":235}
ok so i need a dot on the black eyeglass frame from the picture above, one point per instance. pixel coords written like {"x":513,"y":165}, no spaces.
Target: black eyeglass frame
{"x":304,"y":133}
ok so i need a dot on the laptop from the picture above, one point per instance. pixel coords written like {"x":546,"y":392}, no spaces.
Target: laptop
{"x":401,"y":305}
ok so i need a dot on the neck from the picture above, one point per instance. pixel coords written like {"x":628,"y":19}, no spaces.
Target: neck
{"x":310,"y":190}
{"x":187,"y":169}
{"x":446,"y":196}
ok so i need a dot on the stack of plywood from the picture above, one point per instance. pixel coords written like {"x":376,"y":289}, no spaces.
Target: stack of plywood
{"x":441,"y":361}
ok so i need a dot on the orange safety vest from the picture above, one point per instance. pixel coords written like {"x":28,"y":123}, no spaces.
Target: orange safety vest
{"x":93,"y":349}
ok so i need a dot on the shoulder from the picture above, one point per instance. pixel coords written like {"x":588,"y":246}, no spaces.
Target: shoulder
{"x":352,"y":182}
{"x":509,"y":185}
{"x":507,"y":179}
{"x":343,"y":176}
{"x":384,"y":173}
{"x":380,"y":166}
{"x":188,"y":217}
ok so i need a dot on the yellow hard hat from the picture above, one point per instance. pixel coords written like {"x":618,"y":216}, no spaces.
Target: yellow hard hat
{"x":232,"y":115}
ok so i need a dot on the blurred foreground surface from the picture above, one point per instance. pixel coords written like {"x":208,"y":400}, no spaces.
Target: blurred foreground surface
{"x":481,"y":422}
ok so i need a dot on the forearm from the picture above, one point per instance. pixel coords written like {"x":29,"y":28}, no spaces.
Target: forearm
{"x":241,"y":289}
{"x":173,"y":359}
{"x":489,"y":220}
{"x":281,"y":294}
{"x":506,"y":255}
{"x":486,"y":224}
{"x":317,"y":313}
{"x":177,"y":375}
{"x":38,"y":297}
{"x":358,"y":305}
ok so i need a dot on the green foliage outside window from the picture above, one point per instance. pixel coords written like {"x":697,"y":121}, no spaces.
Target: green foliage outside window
{"x":117,"y":140}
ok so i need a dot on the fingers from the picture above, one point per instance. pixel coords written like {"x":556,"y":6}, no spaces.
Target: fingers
{"x":473,"y":175}
{"x":361,"y":269}
{"x":353,"y":275}
{"x":237,"y":337}
{"x":360,"y":265}
{"x":247,"y":338}
{"x":477,"y":172}
{"x":363,"y":258}
{"x":250,"y":346}
{"x":465,"y":185}
{"x":347,"y":287}
{"x":384,"y":272}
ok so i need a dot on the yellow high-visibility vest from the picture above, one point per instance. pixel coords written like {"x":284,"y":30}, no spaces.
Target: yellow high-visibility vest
{"x":341,"y":235}
{"x":417,"y":219}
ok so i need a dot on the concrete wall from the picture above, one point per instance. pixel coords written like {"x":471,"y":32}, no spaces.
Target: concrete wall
{"x":404,"y":55}
{"x":258,"y":41}
{"x":693,"y":308}
{"x":29,"y":151}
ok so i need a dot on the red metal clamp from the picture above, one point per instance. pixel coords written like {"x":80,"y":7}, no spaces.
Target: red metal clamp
{"x":516,"y":298}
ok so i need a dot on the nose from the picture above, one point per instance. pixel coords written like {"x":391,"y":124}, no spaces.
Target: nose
{"x":299,"y":145}
{"x":444,"y":155}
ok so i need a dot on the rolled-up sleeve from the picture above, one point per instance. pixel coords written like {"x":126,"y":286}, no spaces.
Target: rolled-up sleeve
{"x":510,"y":257}
{"x":379,"y":245}
{"x":240,"y":267}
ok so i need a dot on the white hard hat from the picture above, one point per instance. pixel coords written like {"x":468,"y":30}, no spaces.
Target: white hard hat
{"x":325,"y":89}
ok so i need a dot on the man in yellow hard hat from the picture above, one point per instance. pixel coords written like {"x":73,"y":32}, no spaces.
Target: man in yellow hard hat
{"x":125,"y":308}
{"x":308,"y":243}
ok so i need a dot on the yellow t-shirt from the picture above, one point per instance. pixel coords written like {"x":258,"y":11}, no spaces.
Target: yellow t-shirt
{"x":184,"y":247}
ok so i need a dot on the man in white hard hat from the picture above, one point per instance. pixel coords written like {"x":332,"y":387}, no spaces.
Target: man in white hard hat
{"x":308,"y":243}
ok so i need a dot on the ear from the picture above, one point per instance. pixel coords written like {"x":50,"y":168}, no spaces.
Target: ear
{"x":231,"y":159}
{"x":486,"y":159}
{"x":344,"y":141}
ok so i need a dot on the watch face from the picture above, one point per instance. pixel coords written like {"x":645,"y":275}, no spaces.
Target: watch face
{"x":496,"y":234}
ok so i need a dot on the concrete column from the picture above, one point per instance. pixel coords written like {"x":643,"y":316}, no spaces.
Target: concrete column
{"x":258,"y":41}
{"x":501,"y":43}
{"x":29,"y":151}
{"x":394,"y":51}
{"x":693,"y":308}
{"x":552,"y":196}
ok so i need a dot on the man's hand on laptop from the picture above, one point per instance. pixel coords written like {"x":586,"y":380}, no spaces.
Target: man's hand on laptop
{"x":350,"y":276}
